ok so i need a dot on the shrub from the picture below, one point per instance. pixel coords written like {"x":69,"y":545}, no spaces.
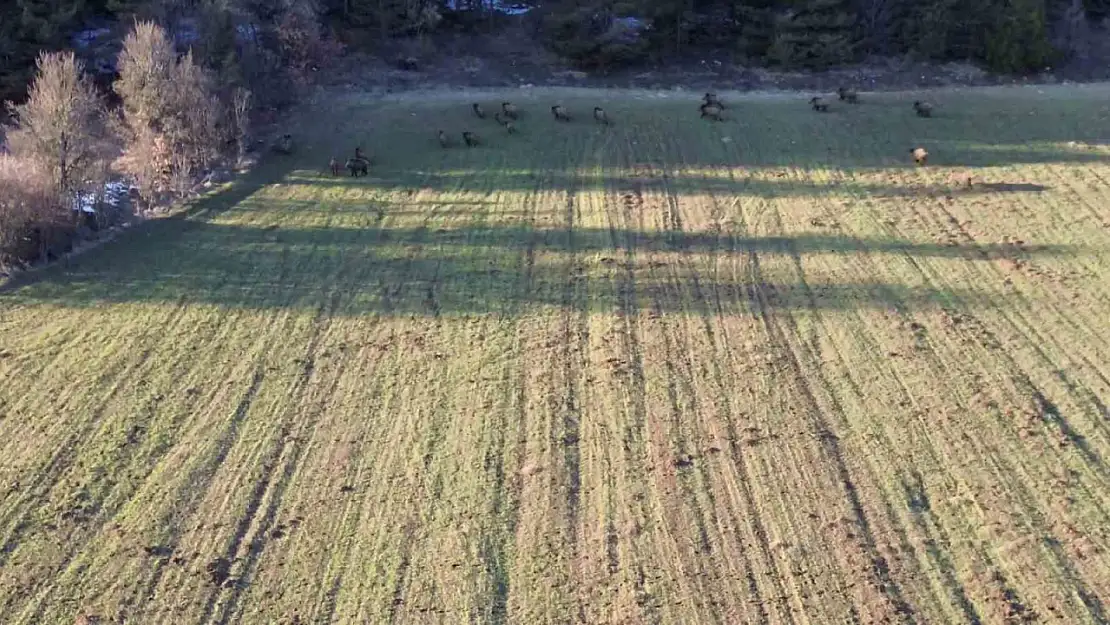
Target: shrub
{"x":33,"y":222}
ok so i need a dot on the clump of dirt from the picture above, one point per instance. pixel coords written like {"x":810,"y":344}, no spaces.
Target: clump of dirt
{"x":824,"y":223}
{"x":1004,"y":604}
{"x":219,"y":570}
{"x":158,"y":551}
{"x":683,"y":461}
{"x":1079,"y":545}
{"x":752,"y":436}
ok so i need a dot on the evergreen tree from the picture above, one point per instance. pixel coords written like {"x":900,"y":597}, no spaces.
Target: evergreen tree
{"x":26,"y":28}
{"x":815,"y":35}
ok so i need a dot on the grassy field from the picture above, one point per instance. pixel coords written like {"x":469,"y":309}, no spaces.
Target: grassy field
{"x":673,"y":371}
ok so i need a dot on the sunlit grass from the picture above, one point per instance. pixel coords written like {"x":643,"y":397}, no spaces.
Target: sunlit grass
{"x":672,"y":371}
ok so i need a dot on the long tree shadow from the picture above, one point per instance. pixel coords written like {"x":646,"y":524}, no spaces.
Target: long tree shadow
{"x":390,"y":179}
{"x":211,"y":204}
{"x":433,"y":272}
{"x":496,"y":239}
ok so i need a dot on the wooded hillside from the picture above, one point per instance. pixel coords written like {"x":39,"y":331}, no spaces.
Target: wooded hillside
{"x":249,"y":36}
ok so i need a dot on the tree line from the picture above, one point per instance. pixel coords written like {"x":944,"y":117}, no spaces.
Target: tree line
{"x":1002,"y":35}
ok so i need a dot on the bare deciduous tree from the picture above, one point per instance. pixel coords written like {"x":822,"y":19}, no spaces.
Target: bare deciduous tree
{"x":146,"y":65}
{"x":193,"y":125}
{"x":240,"y":118}
{"x":60,"y":126}
{"x":171,"y":118}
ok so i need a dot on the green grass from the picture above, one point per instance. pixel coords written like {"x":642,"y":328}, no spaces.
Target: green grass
{"x":672,"y":371}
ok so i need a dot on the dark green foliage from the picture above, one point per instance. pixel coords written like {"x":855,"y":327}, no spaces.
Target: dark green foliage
{"x":26,"y":28}
{"x":391,"y":17}
{"x":1004,"y":35}
{"x":816,"y":35}
{"x":1017,"y":38}
{"x":592,"y":37}
{"x":268,"y":45}
{"x":756,"y":31}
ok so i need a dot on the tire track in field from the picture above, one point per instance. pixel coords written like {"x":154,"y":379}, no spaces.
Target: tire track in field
{"x":574,"y":330}
{"x":269,"y":461}
{"x":805,"y":480}
{"x":274,"y":481}
{"x":496,"y":551}
{"x":1004,"y":594}
{"x":876,"y":346}
{"x":64,"y":396}
{"x":572,"y":342}
{"x":330,"y":597}
{"x":431,"y":442}
{"x":628,"y":312}
{"x":1031,"y":329}
{"x":675,"y":479}
{"x":329,"y":604}
{"x":885,"y":492}
{"x":677,"y":346}
{"x":1027,"y":329}
{"x":204,"y":474}
{"x":1091,"y":601}
{"x":207,"y":471}
{"x":153,"y":459}
{"x":65,"y":457}
{"x":524,"y":288}
{"x":738,"y":456}
{"x":921,"y":511}
{"x":991,"y":346}
{"x":879,"y":575}
{"x":993,"y":591}
{"x":397,"y":595}
{"x":403,"y":532}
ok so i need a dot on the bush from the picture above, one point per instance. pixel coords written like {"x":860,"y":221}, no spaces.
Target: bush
{"x":33,"y":223}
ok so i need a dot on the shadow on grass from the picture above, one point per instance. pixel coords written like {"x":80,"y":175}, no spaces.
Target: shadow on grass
{"x":476,"y":270}
{"x":684,"y":184}
{"x":418,"y":271}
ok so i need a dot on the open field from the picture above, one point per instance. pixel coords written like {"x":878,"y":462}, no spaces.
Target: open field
{"x":672,"y":371}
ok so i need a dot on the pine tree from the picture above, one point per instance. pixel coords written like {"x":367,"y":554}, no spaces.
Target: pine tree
{"x":26,"y":27}
{"x":819,"y":34}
